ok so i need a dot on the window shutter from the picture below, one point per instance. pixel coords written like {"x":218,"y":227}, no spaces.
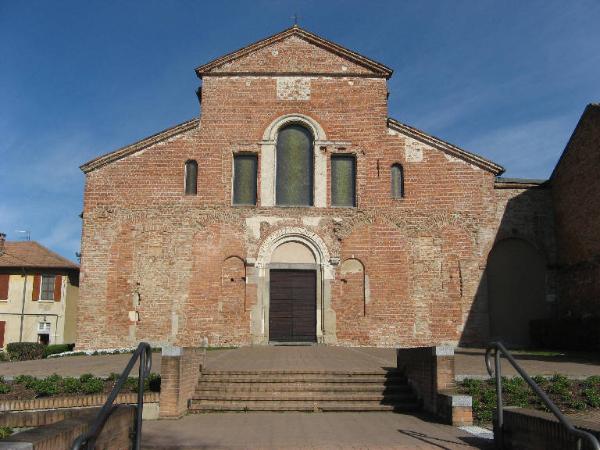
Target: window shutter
{"x":57,"y":287}
{"x":37,"y":280}
{"x":4,"y":286}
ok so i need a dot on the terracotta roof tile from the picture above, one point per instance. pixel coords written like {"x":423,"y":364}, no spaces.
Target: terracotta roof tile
{"x":32,"y":254}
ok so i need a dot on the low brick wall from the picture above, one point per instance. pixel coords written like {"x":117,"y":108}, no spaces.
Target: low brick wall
{"x":44,"y":411}
{"x":73,"y":401}
{"x":179,"y":371}
{"x":527,"y":429}
{"x":430,"y":372}
{"x":116,"y":434}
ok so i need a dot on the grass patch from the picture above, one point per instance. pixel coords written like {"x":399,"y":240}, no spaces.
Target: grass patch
{"x":568,"y":395}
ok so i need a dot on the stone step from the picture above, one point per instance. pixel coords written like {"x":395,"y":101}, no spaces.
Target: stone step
{"x":300,"y":406}
{"x":301,"y":387}
{"x":278,"y":378}
{"x":304,"y":397}
{"x":303,"y":372}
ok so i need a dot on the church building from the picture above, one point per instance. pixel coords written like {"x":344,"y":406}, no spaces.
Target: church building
{"x":295,"y":209}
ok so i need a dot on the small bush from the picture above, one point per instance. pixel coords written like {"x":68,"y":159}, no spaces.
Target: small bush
{"x":24,"y":351}
{"x":45,"y":387}
{"x":86,"y":377}
{"x":71,"y":385}
{"x":5,"y":432}
{"x":57,"y":348}
{"x":92,"y":386}
{"x":4,"y":387}
{"x":25,"y":380}
{"x":114,"y":376}
{"x":3,"y":356}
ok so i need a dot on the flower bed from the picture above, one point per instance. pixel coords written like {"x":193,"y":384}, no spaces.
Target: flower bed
{"x":25,"y":387}
{"x":568,"y":395}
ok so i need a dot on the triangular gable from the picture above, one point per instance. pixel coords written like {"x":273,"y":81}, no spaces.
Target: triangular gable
{"x":279,"y":54}
{"x":446,"y":147}
{"x":139,"y":145}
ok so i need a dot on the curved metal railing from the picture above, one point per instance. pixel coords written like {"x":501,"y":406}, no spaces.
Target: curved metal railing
{"x":88,"y":440}
{"x":498,"y":348}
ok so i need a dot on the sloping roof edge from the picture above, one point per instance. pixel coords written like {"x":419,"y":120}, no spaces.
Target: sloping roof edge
{"x":357,"y":58}
{"x":61,"y":261}
{"x":139,"y":145}
{"x":519,"y":183}
{"x":585,"y":112}
{"x":446,"y":147}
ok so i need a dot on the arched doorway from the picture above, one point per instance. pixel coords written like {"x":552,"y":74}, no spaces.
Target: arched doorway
{"x":293,"y":294}
{"x":294,"y":273}
{"x":516,"y":279}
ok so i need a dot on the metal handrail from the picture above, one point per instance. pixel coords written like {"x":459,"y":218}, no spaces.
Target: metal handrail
{"x":498,"y":348}
{"x":87,"y":440}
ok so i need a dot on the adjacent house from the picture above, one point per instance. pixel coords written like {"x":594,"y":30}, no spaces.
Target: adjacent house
{"x":39,"y":290}
{"x":295,"y":209}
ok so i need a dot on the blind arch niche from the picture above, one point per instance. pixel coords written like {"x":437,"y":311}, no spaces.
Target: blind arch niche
{"x":294,"y":177}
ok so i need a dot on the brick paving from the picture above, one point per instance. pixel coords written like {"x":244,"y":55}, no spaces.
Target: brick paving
{"x":306,"y":431}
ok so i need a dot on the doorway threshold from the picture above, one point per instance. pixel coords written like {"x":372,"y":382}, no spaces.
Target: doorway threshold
{"x":292,"y":344}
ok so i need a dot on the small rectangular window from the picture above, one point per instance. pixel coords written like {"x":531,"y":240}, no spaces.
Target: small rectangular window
{"x":343,"y":180}
{"x":244,"y":179}
{"x":47,"y":291}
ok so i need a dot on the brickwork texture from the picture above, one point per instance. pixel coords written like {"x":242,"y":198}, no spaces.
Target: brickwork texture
{"x":170,"y":268}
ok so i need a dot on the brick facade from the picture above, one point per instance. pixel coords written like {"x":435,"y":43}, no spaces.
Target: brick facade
{"x":164,"y":267}
{"x":575,"y":187}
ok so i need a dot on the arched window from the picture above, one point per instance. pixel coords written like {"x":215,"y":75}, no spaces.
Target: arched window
{"x":191,"y":177}
{"x":397,"y":181}
{"x":294,"y":177}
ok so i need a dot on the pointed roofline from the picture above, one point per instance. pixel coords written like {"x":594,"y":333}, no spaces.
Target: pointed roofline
{"x":122,"y":152}
{"x":446,"y":147}
{"x":295,"y":30}
{"x":588,"y":109}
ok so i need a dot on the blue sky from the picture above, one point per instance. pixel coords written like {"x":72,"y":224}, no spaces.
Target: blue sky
{"x":506,"y":79}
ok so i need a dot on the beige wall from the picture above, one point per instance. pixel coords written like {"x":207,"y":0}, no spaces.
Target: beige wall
{"x":60,"y":315}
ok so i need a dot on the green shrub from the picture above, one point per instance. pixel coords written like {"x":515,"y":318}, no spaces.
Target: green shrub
{"x":24,"y":351}
{"x":57,"y":348}
{"x":92,"y":386}
{"x":114,"y":376}
{"x":86,"y":377}
{"x":25,"y":380}
{"x":3,"y":356}
{"x":45,"y":387}
{"x":5,"y":432}
{"x":4,"y":387}
{"x":71,"y":385}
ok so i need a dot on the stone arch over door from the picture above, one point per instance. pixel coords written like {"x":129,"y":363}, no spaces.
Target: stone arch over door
{"x":294,"y":248}
{"x":516,"y":281}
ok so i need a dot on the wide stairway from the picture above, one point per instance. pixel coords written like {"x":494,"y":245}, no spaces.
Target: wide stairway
{"x":220,"y":390}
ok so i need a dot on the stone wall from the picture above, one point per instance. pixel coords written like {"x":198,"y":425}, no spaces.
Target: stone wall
{"x":116,"y":434}
{"x":164,"y":267}
{"x":575,"y":187}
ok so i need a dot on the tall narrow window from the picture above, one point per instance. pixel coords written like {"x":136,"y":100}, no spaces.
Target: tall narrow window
{"x":191,"y":177}
{"x":47,"y":291}
{"x":397,"y":181}
{"x":294,"y":166}
{"x":244,"y":179}
{"x":343,"y":180}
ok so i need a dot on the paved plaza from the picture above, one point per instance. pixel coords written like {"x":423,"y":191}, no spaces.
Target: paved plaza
{"x":469,"y":362}
{"x":307,"y":431}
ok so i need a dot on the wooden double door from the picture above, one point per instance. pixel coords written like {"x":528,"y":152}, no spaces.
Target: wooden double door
{"x":293,"y":306}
